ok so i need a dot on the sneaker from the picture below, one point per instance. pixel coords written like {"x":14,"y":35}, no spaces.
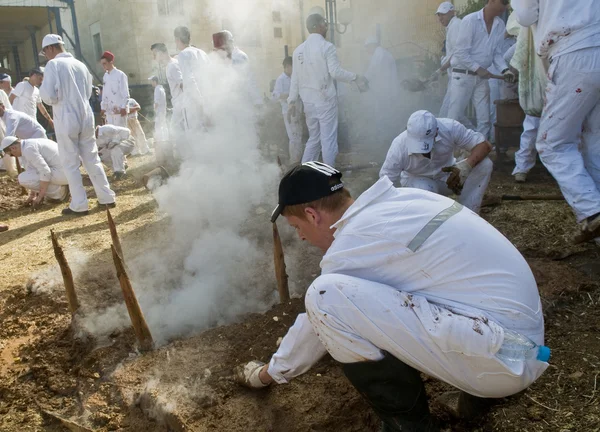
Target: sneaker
{"x":590,"y":229}
{"x":521,"y":177}
{"x":109,"y":205}
{"x":69,"y":212}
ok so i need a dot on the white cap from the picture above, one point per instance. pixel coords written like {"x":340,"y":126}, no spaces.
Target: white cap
{"x":444,"y":8}
{"x":420,"y":132}
{"x":371,"y":40}
{"x":51,"y":39}
{"x":7,"y":142}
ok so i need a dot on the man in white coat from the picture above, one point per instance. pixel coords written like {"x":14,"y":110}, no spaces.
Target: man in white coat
{"x":20,"y":124}
{"x":44,"y":175}
{"x":115,"y":92}
{"x":293,"y":126}
{"x":478,"y":46}
{"x":115,"y":143}
{"x":25,"y":97}
{"x":67,"y":87}
{"x":316,"y":66}
{"x":422,"y":157}
{"x":568,"y":37}
{"x":396,"y":297}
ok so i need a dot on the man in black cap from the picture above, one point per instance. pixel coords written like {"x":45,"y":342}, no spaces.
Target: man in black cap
{"x":411,"y":282}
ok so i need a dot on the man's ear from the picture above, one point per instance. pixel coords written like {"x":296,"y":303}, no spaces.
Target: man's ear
{"x":312,"y":215}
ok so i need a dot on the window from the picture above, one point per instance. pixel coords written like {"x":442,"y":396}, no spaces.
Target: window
{"x":276,"y":16}
{"x":97,"y":45}
{"x":170,"y":7}
{"x":277,"y":32}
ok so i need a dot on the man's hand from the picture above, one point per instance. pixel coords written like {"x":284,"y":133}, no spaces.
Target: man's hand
{"x":458,"y":175}
{"x":37,"y":202}
{"x":483,"y":73}
{"x":509,"y":76}
{"x":51,"y":123}
{"x":102,"y":113}
{"x":362,"y":83}
{"x":291,"y":111}
{"x":123,"y":112}
{"x":248,"y":375}
{"x":31,"y":197}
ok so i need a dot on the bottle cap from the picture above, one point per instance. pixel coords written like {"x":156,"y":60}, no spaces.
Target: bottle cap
{"x":543,"y":354}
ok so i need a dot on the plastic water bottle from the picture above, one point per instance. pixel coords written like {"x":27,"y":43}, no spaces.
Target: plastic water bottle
{"x":517,"y":347}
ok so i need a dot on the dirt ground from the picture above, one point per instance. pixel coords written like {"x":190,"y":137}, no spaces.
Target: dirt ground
{"x":54,"y":378}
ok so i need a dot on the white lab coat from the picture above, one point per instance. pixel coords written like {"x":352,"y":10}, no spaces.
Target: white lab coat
{"x":115,"y":96}
{"x":67,"y":87}
{"x":417,"y":171}
{"x":475,"y":48}
{"x":161,"y":132}
{"x":193,"y":63}
{"x":27,"y":98}
{"x":21,"y":125}
{"x":292,"y":126}
{"x":316,"y":66}
{"x":114,"y":143}
{"x":41,"y":162}
{"x":397,"y":279}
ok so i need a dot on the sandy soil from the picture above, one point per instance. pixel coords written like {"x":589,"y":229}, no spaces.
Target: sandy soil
{"x":53,"y":379}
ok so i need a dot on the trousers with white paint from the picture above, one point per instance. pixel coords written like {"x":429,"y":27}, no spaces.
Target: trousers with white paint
{"x":464,"y":89}
{"x":473,"y":190}
{"x":569,"y":135}
{"x":294,"y":132}
{"x":57,"y":189}
{"x":525,"y":156}
{"x":356,"y":320}
{"x":322,"y":122}
{"x":446,"y":105}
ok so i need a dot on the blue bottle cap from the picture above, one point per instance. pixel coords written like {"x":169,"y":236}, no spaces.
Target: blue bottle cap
{"x":543,"y":354}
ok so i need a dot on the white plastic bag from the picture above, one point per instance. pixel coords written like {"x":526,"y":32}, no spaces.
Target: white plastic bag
{"x":532,"y":74}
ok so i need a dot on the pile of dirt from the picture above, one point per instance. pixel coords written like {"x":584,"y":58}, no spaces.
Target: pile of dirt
{"x":12,"y":195}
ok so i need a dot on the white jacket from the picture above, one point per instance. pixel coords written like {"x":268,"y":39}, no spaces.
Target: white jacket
{"x":316,"y":65}
{"x":21,"y":125}
{"x":193,"y":63}
{"x":41,"y":155}
{"x":27,"y":98}
{"x":115,"y":93}
{"x":563,"y":26}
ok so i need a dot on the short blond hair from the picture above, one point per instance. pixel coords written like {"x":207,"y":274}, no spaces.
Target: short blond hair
{"x":330,"y":203}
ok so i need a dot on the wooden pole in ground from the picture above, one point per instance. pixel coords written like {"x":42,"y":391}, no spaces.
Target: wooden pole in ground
{"x":19,"y":171}
{"x":66,"y":274}
{"x":140,"y":327}
{"x":113,"y":233}
{"x":280,"y":273}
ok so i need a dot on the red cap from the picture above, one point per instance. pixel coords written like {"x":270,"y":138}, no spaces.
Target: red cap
{"x":108,"y":56}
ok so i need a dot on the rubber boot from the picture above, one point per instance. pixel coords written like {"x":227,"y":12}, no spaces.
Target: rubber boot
{"x":396,"y":393}
{"x":464,"y":406}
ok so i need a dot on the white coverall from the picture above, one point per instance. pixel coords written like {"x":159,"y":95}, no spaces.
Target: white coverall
{"x":141,"y":143}
{"x":293,"y":127}
{"x":475,"y":48}
{"x":115,"y":96}
{"x":417,"y":171}
{"x":114,"y":143}
{"x":419,"y":276}
{"x":568,"y":35}
{"x":193,"y":63}
{"x":67,"y":87}
{"x":21,"y":125}
{"x":161,"y":131}
{"x":316,"y":65}
{"x":27,"y":98}
{"x":452,"y":32}
{"x":42,"y":163}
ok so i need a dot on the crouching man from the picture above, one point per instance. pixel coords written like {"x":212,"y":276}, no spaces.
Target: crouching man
{"x":44,"y":175}
{"x":114,"y":144}
{"x":411,"y":282}
{"x":422,"y":157}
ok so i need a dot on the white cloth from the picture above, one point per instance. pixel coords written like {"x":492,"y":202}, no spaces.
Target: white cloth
{"x":385,"y":287}
{"x":27,"y":98}
{"x":525,"y":156}
{"x":67,"y":86}
{"x":563,"y":26}
{"x":193,"y":63}
{"x":41,"y":162}
{"x":115,"y":96}
{"x":293,"y":126}
{"x":418,"y":171}
{"x":382,"y":74}
{"x":114,"y":144}
{"x":161,"y":132}
{"x":569,"y":135}
{"x":131,"y":104}
{"x":21,"y":125}
{"x":5,"y":100}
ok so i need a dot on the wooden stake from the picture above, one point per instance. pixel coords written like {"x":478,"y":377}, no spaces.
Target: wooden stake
{"x":66,"y":274}
{"x":140,"y":327}
{"x":113,"y":233}
{"x":19,"y":171}
{"x":280,"y":273}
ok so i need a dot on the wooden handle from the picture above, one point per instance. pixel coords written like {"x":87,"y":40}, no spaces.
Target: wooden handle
{"x":280,"y":273}
{"x":532,"y":197}
{"x":66,"y":274}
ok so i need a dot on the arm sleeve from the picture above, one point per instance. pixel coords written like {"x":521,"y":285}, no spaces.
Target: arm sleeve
{"x":49,"y":87}
{"x":278,"y":90}
{"x":174,"y":74}
{"x":18,"y":90}
{"x":508,"y":55}
{"x":189,"y":76}
{"x":464,"y":138}
{"x":394,"y":163}
{"x":11,"y":125}
{"x":526,"y":11}
{"x":451,"y":40}
{"x":156,"y":95}
{"x":464,"y":43}
{"x":294,"y":87}
{"x":103,"y":100}
{"x":124,"y":90}
{"x":334,"y":66}
{"x":300,"y":350}
{"x":37,"y":162}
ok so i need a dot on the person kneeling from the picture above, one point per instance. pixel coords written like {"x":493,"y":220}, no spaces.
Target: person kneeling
{"x":422,"y":157}
{"x":44,"y":176}
{"x":114,"y":144}
{"x":411,"y":282}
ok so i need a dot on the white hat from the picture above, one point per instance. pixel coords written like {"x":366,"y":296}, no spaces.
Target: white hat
{"x":7,"y":142}
{"x":444,"y":8}
{"x":51,"y":39}
{"x":420,"y":132}
{"x":371,"y":40}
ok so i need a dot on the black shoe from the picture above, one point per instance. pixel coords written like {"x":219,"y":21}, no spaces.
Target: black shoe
{"x":118,"y":175}
{"x":462,"y":405}
{"x":109,"y":205}
{"x":69,"y":212}
{"x":396,"y":393}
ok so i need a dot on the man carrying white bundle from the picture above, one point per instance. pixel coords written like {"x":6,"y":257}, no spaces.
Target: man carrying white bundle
{"x":411,"y":283}
{"x":44,"y":175}
{"x":114,"y":144}
{"x":422,"y":157}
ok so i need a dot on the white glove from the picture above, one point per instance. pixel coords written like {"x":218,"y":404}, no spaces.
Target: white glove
{"x":458,"y":175}
{"x":247,"y":375}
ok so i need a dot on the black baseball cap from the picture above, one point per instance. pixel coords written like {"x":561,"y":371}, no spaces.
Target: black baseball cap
{"x":306,"y":183}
